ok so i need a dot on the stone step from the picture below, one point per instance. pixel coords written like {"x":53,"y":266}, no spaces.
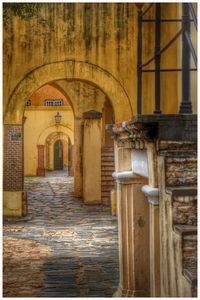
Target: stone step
{"x":185,"y":229}
{"x":107,"y":169}
{"x":182,"y":191}
{"x":107,"y":149}
{"x":191,"y":275}
{"x":108,"y":158}
{"x":106,"y":178}
{"x":108,"y":163}
{"x":105,"y":194}
{"x":107,"y":173}
{"x":107,"y":189}
{"x":106,"y":183}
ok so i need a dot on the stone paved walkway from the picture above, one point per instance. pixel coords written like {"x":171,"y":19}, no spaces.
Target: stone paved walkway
{"x":63,"y":248}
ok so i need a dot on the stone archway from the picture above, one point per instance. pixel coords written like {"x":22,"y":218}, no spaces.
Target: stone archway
{"x":14,"y":196}
{"x":68,"y":148}
{"x":69,"y":70}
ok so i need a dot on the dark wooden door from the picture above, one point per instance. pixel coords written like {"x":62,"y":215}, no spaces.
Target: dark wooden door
{"x":58,"y":155}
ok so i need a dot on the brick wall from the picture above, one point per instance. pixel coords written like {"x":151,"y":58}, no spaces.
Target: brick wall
{"x":13,"y":158}
{"x":40,"y":169}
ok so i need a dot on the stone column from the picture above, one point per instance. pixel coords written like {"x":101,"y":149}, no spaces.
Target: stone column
{"x":13,"y":196}
{"x":92,"y":157}
{"x":153,"y":199}
{"x":40,"y":168}
{"x":73,"y":162}
{"x":133,"y":221}
{"x":78,"y":145}
{"x":51,"y":157}
{"x":152,"y":193}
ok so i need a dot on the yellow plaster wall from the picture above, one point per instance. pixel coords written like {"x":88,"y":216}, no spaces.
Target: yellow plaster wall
{"x":36,"y":123}
{"x":101,"y":34}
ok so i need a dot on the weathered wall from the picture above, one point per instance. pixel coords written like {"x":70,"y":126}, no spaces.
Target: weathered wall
{"x":102,"y":34}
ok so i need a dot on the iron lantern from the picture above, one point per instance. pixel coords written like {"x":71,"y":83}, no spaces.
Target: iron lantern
{"x":58,"y":118}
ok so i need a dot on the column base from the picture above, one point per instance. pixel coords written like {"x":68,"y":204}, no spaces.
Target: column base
{"x":40,"y":172}
{"x":130,"y":293}
{"x":13,"y":203}
{"x":92,"y":202}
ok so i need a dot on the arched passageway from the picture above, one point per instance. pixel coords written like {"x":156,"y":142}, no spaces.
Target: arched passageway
{"x":90,"y":140}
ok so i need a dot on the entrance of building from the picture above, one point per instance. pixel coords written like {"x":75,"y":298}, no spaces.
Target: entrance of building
{"x":58,"y":155}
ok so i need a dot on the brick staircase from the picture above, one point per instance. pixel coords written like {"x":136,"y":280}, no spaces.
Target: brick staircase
{"x":181,"y":180}
{"x":107,"y":168}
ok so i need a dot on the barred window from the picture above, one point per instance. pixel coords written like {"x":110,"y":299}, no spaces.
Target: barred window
{"x":53,"y":102}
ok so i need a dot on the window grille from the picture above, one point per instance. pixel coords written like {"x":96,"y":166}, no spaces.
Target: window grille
{"x":54,"y":102}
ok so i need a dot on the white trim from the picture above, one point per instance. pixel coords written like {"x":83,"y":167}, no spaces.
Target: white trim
{"x":152,"y":194}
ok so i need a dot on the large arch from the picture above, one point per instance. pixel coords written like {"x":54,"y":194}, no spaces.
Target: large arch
{"x":70,"y":70}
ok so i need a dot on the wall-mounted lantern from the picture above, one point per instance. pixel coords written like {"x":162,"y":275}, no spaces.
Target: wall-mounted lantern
{"x":58,"y":118}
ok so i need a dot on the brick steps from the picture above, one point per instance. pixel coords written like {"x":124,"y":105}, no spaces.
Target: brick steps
{"x":107,"y":168}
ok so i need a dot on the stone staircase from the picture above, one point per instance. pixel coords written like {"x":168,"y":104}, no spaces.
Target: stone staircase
{"x":107,"y":168}
{"x":181,"y":180}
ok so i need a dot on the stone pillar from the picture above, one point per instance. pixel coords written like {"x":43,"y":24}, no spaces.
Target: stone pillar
{"x":92,"y":157}
{"x":133,"y":221}
{"x":73,"y":162}
{"x":13,"y":196}
{"x":78,"y":144}
{"x":40,"y":168}
{"x":153,"y":199}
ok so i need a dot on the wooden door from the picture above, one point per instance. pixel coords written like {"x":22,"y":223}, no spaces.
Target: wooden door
{"x":58,"y":155}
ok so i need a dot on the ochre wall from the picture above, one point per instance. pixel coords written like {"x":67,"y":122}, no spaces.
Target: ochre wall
{"x":102,"y":34}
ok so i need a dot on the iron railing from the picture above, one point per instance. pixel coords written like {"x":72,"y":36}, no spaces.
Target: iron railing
{"x":188,"y":16}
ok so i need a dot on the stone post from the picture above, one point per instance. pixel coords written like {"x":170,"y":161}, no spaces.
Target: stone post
{"x":13,"y":196}
{"x":78,"y":145}
{"x":133,"y":221}
{"x":73,"y":162}
{"x":153,"y":199}
{"x":152,"y":193}
{"x":92,"y":157}
{"x":40,"y":168}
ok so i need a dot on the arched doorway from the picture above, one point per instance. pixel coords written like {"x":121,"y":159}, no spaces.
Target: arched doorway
{"x":58,"y":155}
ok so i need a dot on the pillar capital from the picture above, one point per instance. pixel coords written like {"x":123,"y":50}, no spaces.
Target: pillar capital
{"x":128,"y":177}
{"x":152,"y":194}
{"x":92,"y":114}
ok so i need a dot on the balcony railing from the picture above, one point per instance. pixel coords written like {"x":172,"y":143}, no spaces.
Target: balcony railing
{"x":188,"y":16}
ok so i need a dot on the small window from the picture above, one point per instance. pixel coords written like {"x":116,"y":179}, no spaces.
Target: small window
{"x":54,"y":102}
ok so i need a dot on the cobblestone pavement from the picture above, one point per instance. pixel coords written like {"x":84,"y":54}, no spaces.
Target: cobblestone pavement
{"x":63,"y":248}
